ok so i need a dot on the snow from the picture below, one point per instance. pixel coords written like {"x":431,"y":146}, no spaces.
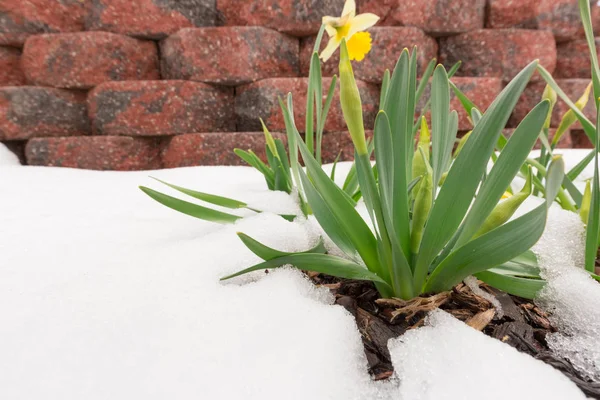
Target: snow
{"x":105,"y":293}
{"x":571,"y":296}
{"x":473,"y":284}
{"x":7,"y":157}
{"x":447,"y":359}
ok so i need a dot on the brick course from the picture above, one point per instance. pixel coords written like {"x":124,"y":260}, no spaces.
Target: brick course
{"x":188,"y":74}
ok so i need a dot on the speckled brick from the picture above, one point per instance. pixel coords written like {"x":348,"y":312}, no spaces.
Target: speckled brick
{"x":500,"y":53}
{"x":213,"y":148}
{"x":561,"y":17}
{"x":565,"y":141}
{"x":149,"y":19}
{"x":84,"y":60}
{"x":260,"y":100}
{"x":387,"y":45}
{"x":295,"y":17}
{"x":148,"y":108}
{"x":532,"y":95}
{"x":11,"y":73}
{"x":27,"y":111}
{"x":512,"y":14}
{"x":439,"y":17}
{"x":573,"y":59}
{"x":95,"y":152}
{"x":481,"y":91}
{"x":21,"y":18}
{"x":229,"y":55}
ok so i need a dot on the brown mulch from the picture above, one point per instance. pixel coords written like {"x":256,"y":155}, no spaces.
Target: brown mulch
{"x":523,"y":326}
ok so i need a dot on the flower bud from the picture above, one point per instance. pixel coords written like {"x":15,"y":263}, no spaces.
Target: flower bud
{"x":351,"y":103}
{"x":549,"y":94}
{"x":422,"y":206}
{"x":569,"y":118}
{"x":584,"y":210}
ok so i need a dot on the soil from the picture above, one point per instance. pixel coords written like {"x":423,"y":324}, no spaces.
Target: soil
{"x":523,"y":326}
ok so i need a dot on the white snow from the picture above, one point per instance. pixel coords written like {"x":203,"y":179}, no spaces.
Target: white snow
{"x":571,"y":296}
{"x":105,"y":293}
{"x":447,"y":359}
{"x":7,"y":157}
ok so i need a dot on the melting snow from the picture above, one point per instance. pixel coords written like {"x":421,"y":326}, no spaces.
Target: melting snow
{"x":7,"y":157}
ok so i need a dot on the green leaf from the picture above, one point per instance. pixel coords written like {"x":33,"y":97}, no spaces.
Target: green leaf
{"x":268,"y":253}
{"x":191,"y":209}
{"x":588,"y":127}
{"x":593,"y":225}
{"x":517,"y":286}
{"x":441,"y":138}
{"x":464,"y":176}
{"x":321,"y":263}
{"x":586,"y":18}
{"x":504,"y":170}
{"x":554,"y":179}
{"x":581,"y":165}
{"x":467,"y":104}
{"x":209,"y":198}
{"x":292,"y":133}
{"x":385,"y":83}
{"x":489,"y":250}
{"x":253,"y":160}
{"x":425,"y":79}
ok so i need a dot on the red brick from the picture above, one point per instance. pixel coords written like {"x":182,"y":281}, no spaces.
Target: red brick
{"x":512,"y":14}
{"x":214,"y":148}
{"x":580,"y":140}
{"x":388,"y":43}
{"x":95,"y":152}
{"x":565,"y":141}
{"x":27,"y":111}
{"x":481,"y":91}
{"x":149,"y":19}
{"x":10,"y":67}
{"x":561,"y":17}
{"x":260,"y":100}
{"x":294,"y":17}
{"x":378,"y":7}
{"x":573,"y":59}
{"x":500,"y":53}
{"x":229,"y":55}
{"x":84,"y":60}
{"x":20,"y":18}
{"x":532,"y":95}
{"x":148,"y":108}
{"x":439,"y":17}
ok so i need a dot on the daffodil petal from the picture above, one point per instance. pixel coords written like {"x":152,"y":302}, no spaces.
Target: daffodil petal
{"x":349,"y":8}
{"x":362,"y":22}
{"x":359,"y":45}
{"x":331,"y":47}
{"x":331,"y":31}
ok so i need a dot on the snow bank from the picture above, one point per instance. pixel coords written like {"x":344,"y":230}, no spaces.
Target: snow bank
{"x":447,"y":359}
{"x":104,"y":293}
{"x":7,"y":157}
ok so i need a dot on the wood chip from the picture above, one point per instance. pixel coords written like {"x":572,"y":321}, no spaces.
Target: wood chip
{"x":480,"y":320}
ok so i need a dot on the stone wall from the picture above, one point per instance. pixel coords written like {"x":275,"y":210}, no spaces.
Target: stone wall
{"x":143,"y":84}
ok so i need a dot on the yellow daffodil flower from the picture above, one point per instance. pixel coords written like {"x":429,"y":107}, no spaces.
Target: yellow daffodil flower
{"x":350,"y":27}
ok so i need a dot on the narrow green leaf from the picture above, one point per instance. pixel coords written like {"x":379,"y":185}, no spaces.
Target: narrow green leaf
{"x":593,"y":225}
{"x":385,"y":83}
{"x":440,"y":119}
{"x":464,"y":176}
{"x":209,"y":198}
{"x":504,"y":170}
{"x":292,"y":134}
{"x":253,"y":160}
{"x":321,"y":263}
{"x":268,"y":253}
{"x":554,"y":178}
{"x":586,"y":18}
{"x":517,"y":286}
{"x":425,"y":79}
{"x":494,"y":248}
{"x":191,"y":209}
{"x":581,"y":165}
